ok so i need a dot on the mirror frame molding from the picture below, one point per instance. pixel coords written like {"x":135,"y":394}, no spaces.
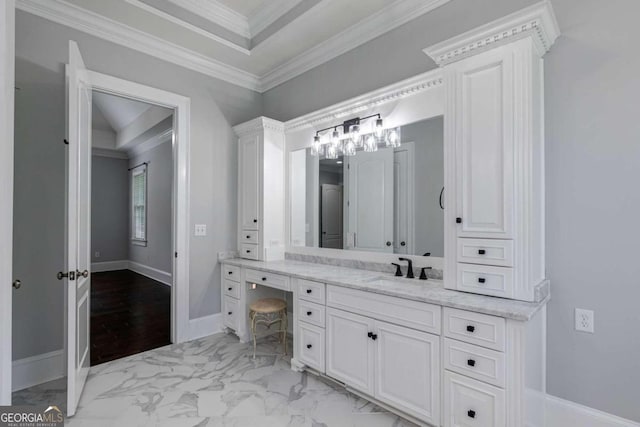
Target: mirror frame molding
{"x":399,"y":103}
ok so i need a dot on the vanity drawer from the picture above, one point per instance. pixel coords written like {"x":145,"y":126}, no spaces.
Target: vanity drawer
{"x":230,"y":312}
{"x":268,"y":279}
{"x":475,"y":362}
{"x":231,"y":288}
{"x":311,"y":346}
{"x":475,"y":328}
{"x":471,"y":403}
{"x":485,"y":280}
{"x":311,"y":313}
{"x":249,"y":236}
{"x":311,"y":291}
{"x":413,"y":314}
{"x":486,"y":251}
{"x":249,"y":251}
{"x":231,"y":272}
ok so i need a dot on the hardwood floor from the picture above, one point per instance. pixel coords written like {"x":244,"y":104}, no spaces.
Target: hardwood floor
{"x":130,"y":313}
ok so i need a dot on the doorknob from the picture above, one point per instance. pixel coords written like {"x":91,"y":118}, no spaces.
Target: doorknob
{"x":17,"y":284}
{"x":84,"y":274}
{"x":71,"y":275}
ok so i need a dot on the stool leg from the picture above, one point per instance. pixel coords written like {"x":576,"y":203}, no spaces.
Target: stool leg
{"x":284,"y":331}
{"x":253,"y":333}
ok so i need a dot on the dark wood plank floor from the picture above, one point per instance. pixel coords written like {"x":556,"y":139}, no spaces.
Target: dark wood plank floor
{"x":130,"y":313}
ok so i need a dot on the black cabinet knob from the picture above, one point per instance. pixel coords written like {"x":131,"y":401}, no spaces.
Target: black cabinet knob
{"x":369,"y":334}
{"x":458,"y":220}
{"x":248,"y":251}
{"x":309,"y":346}
{"x":308,"y":313}
{"x":481,"y":280}
{"x":471,"y":328}
{"x":255,"y":221}
{"x":230,"y":289}
{"x":481,"y":252}
{"x":403,"y":243}
{"x":471,"y":413}
{"x":374,"y":337}
{"x":248,"y":237}
{"x":388,"y":243}
{"x":264,"y":279}
{"x":471,"y":362}
{"x":230,"y":273}
{"x":308,"y":291}
{"x":230,"y":313}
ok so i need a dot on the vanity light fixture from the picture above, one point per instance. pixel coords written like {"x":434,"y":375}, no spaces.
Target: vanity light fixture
{"x":352,"y":138}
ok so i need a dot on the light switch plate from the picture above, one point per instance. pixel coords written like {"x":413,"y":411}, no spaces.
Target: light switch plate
{"x":584,"y":320}
{"x":200,"y":230}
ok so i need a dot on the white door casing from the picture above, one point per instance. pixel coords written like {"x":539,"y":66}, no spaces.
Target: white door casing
{"x":249,"y":191}
{"x":331,"y":221}
{"x":404,"y":235}
{"x":7,"y":83}
{"x":78,"y":226}
{"x":370,"y":212}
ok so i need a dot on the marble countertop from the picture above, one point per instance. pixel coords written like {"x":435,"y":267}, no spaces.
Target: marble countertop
{"x":430,"y":291}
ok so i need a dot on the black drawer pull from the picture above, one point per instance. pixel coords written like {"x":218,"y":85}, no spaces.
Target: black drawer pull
{"x":308,"y":313}
{"x":471,"y":328}
{"x":255,"y":221}
{"x":264,"y":279}
{"x":231,"y":272}
{"x":481,"y":280}
{"x":458,"y":220}
{"x":230,"y":289}
{"x":248,"y":237}
{"x":471,"y":362}
{"x":309,"y":346}
{"x":471,"y":413}
{"x":230,"y":313}
{"x":248,"y":251}
{"x":481,"y":252}
{"x":308,"y":291}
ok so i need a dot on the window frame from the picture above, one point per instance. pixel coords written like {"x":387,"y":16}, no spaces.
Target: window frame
{"x":136,"y":171}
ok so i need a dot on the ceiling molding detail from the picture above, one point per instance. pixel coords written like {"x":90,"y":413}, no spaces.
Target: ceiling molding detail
{"x":537,"y":21}
{"x":394,"y":92}
{"x":187,"y":25}
{"x":369,"y":28}
{"x":218,"y":13}
{"x":96,"y":25}
{"x":258,"y":124}
{"x":105,"y":152}
{"x":264,"y":16}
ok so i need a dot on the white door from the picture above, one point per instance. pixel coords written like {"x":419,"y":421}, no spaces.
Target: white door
{"x":484,"y":143}
{"x":370,"y":201}
{"x":249,"y":179}
{"x":331,"y":222}
{"x":408,"y":371}
{"x":350,"y":355}
{"x":78,"y":226}
{"x":403,"y":199}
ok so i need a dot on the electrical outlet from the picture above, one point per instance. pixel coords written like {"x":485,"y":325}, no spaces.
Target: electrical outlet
{"x":584,"y":320}
{"x":97,"y":254}
{"x":201,"y":229}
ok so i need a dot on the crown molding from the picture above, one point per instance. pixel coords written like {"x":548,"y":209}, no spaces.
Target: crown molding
{"x":257,"y":125}
{"x":218,"y":13}
{"x":397,"y":13}
{"x":391,"y":93}
{"x":72,"y":16}
{"x":151,"y":143}
{"x":537,"y":22}
{"x":269,"y":13}
{"x":105,"y":152}
{"x":200,"y":31}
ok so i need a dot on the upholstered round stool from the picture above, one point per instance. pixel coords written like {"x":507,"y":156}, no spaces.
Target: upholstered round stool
{"x":267,"y":311}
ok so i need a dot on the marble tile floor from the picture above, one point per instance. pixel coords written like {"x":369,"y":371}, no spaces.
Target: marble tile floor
{"x":214,"y":381}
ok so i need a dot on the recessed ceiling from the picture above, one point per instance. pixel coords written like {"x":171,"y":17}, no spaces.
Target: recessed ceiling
{"x":257,"y":44}
{"x":117,"y":111}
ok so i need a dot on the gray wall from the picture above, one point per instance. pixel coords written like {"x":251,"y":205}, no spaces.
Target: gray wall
{"x":592,"y":170}
{"x":38,"y":231}
{"x":428,"y":136}
{"x":109,"y":209}
{"x":42,"y":46}
{"x":158,"y":252}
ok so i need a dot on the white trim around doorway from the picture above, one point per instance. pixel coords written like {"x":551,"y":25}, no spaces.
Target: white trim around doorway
{"x":181,"y":211}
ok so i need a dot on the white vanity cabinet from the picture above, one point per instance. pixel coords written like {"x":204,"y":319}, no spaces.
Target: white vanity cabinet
{"x":261,"y":189}
{"x":494,"y":149}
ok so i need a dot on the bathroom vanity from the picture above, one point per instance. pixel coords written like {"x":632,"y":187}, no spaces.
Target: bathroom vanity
{"x":445,"y":170}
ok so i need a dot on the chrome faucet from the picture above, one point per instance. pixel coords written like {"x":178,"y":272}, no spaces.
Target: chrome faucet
{"x":409,"y":269}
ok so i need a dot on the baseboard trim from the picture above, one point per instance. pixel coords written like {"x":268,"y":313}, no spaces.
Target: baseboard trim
{"x":37,"y":369}
{"x":99,"y":267}
{"x":205,"y":326}
{"x":152,"y":273}
{"x":562,"y":413}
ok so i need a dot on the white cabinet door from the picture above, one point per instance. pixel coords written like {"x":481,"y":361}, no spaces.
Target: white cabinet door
{"x":249,"y":182}
{"x":350,"y":352}
{"x":407,"y":374}
{"x":370,"y":201}
{"x":484,"y":144}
